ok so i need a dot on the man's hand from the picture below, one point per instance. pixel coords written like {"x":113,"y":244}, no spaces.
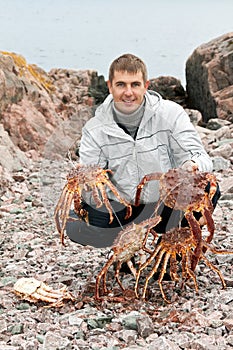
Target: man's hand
{"x":189,"y":165}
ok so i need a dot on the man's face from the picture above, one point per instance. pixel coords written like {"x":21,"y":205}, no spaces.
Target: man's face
{"x":128,"y":90}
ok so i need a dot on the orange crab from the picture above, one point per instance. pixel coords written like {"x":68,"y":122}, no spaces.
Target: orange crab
{"x":129,"y":241}
{"x":176,"y":242}
{"x":85,"y":178}
{"x":185,"y":191}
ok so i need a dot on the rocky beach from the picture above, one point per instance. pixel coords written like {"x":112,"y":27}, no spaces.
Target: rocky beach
{"x":41,"y":116}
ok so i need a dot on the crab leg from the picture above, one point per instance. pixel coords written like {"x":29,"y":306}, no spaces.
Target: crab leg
{"x":96,"y":196}
{"x":154,"y":268}
{"x":77,"y":201}
{"x":163,"y":270}
{"x":103,"y":274}
{"x":196,"y":230}
{"x":121,"y":199}
{"x":209,"y":220}
{"x":64,"y":214}
{"x":173,"y":267}
{"x":187,"y":271}
{"x":145,"y":179}
{"x":119,"y":263}
{"x":106,"y":201}
{"x":143,"y":266}
{"x":58,"y":207}
{"x":208,"y":263}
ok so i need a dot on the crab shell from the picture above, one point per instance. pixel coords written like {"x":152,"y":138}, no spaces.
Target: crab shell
{"x":27,"y":286}
{"x":33,"y":290}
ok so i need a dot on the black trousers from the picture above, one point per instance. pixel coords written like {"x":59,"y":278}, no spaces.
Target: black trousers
{"x":100,"y":233}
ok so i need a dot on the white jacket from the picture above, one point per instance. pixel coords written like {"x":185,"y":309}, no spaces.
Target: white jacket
{"x":165,"y":139}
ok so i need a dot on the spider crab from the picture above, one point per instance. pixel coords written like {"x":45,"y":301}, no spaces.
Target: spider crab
{"x":129,"y":241}
{"x":176,"y":242}
{"x":85,"y":178}
{"x":185,"y":191}
{"x":33,"y":290}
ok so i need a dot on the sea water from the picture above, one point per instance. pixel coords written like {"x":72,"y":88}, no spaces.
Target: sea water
{"x":89,"y":34}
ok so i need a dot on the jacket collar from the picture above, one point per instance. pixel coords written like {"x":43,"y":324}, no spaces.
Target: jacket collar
{"x":105,"y":114}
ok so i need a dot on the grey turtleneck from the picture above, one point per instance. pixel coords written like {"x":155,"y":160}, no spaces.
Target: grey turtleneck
{"x":129,"y":122}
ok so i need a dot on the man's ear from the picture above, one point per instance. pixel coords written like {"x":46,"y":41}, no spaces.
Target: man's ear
{"x":109,"y":86}
{"x":147,"y":83}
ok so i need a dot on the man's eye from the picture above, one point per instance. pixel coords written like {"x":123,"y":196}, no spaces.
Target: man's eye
{"x":120,"y":84}
{"x":135,"y":84}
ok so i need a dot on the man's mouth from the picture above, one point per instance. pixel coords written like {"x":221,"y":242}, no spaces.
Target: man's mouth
{"x":128,"y":101}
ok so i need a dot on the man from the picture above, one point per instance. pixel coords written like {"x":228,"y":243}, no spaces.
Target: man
{"x":134,"y":132}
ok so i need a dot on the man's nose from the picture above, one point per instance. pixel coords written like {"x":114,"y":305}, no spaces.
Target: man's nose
{"x":128,"y":90}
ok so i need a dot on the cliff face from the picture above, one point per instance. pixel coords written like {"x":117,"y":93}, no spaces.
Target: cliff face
{"x":33,"y":103}
{"x":209,"y":75}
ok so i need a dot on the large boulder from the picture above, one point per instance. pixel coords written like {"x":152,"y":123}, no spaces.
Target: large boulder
{"x":209,"y":77}
{"x":12,"y":158}
{"x":35,"y":104}
{"x":170,"y":88}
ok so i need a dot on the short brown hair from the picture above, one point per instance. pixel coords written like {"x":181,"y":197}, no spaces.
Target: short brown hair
{"x":128,"y":63}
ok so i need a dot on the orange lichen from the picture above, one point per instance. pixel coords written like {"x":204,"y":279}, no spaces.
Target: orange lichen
{"x":30,"y":71}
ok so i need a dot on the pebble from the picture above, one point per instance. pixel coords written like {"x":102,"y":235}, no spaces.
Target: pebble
{"x":30,"y":247}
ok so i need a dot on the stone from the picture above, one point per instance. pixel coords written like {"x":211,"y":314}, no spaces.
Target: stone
{"x":216,"y":123}
{"x":225,"y":151}
{"x":145,"y":326}
{"x":17,"y":329}
{"x":162,"y":343}
{"x":169,"y":88}
{"x":130,"y":322}
{"x":127,"y":335}
{"x":230,"y":340}
{"x":54,"y":341}
{"x":209,"y":77}
{"x":3,"y":326}
{"x":194,"y":115}
{"x":220,"y":163}
{"x":14,"y":159}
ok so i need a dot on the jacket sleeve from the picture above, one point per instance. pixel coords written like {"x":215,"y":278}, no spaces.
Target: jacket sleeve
{"x":186,"y":144}
{"x":90,"y":151}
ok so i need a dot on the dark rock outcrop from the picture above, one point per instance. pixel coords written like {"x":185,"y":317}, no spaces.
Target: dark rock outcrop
{"x":169,"y":88}
{"x":209,"y":76}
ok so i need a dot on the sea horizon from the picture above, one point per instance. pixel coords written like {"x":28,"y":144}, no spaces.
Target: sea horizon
{"x":89,"y":35}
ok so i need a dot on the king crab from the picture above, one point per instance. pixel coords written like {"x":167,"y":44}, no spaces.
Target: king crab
{"x":176,"y":242}
{"x":85,"y":178}
{"x":185,"y":191}
{"x":129,"y":241}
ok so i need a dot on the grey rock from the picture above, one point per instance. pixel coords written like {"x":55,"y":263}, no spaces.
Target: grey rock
{"x":130,"y":322}
{"x":229,"y":340}
{"x":163,"y":344}
{"x":98,"y":322}
{"x":17,"y":329}
{"x":216,"y":123}
{"x":129,"y":336}
{"x":74,"y":320}
{"x":220,"y":163}
{"x":209,"y":78}
{"x":54,"y":341}
{"x":145,"y":326}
